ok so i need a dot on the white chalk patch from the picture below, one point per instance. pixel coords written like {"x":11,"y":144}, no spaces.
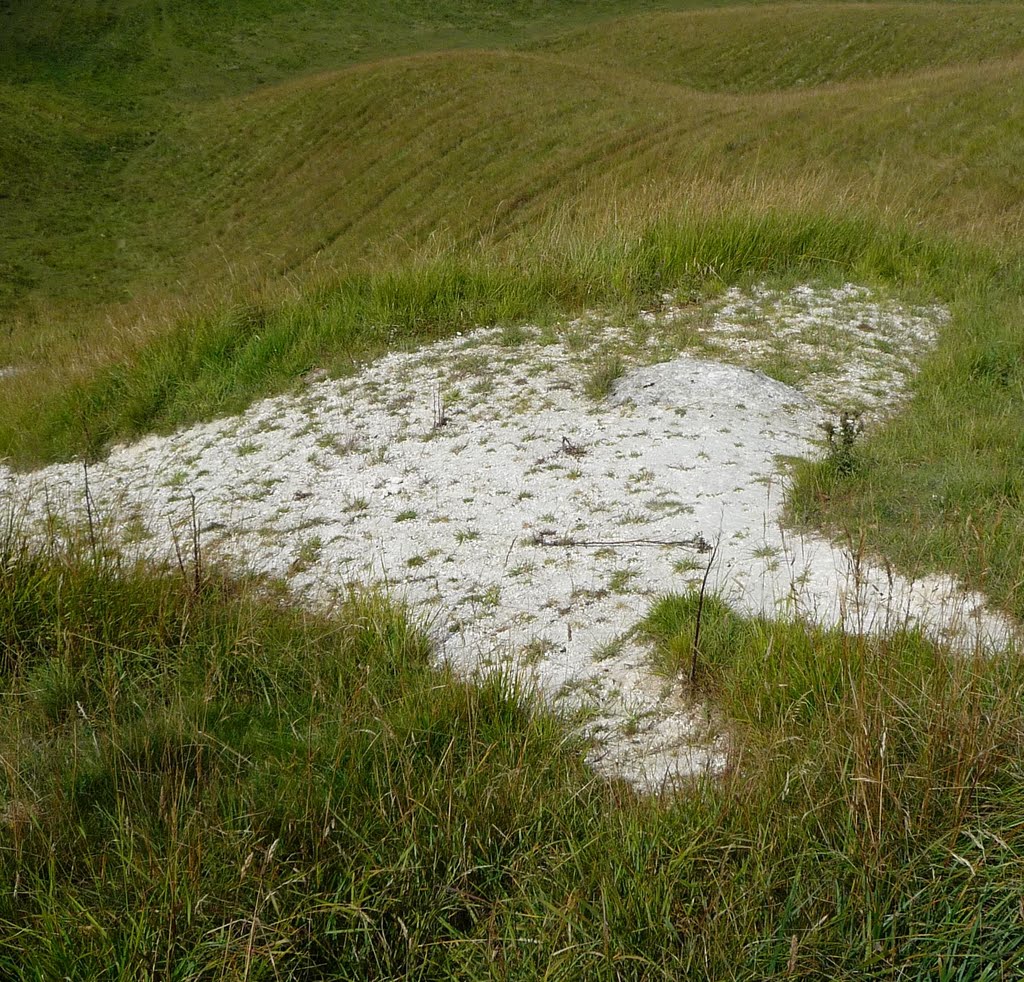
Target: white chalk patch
{"x":532,"y":527}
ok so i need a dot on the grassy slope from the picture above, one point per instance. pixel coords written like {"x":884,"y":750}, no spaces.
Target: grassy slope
{"x":199,"y":782}
{"x":246,"y":178}
{"x":336,"y":168}
{"x":775,"y":46}
{"x":182,"y":747}
{"x":126,"y":70}
{"x":51,"y":153}
{"x":350,"y":162}
{"x":180,"y":184}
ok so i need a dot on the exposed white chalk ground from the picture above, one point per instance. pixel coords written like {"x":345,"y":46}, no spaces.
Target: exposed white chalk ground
{"x":524,"y":520}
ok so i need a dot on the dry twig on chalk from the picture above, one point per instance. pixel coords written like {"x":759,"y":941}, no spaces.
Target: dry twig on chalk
{"x":548,"y":537}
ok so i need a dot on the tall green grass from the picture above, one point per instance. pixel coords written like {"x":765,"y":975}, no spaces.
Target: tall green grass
{"x":940,"y":485}
{"x":220,"y":361}
{"x":934,"y":489}
{"x":201,"y":781}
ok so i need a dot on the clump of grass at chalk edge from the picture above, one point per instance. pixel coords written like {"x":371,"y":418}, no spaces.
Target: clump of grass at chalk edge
{"x":200,"y":778}
{"x":220,"y":361}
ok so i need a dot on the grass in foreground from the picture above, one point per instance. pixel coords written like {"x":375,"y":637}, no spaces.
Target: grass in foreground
{"x":199,"y":781}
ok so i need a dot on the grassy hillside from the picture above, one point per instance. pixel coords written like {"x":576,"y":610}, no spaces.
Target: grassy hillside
{"x":200,"y":782}
{"x":484,"y":145}
{"x":185,"y":164}
{"x":201,"y":49}
{"x":771,"y":47}
{"x":112,"y":75}
{"x":202,"y":201}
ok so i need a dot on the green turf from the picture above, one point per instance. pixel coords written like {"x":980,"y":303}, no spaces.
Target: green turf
{"x":773,"y":47}
{"x":199,"y":202}
{"x":200,"y":781}
{"x":148,"y":153}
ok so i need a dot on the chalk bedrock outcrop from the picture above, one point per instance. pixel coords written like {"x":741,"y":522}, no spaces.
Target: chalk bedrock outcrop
{"x":531,"y":530}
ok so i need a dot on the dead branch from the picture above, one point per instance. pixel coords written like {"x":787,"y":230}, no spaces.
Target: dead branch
{"x":547,"y":537}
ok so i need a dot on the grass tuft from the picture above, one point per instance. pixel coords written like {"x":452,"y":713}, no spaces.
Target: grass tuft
{"x":602,"y":376}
